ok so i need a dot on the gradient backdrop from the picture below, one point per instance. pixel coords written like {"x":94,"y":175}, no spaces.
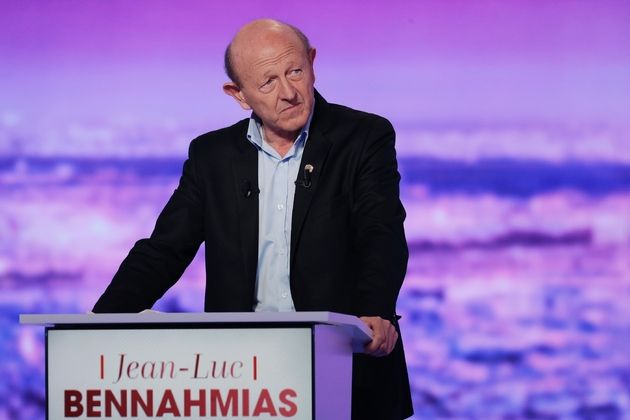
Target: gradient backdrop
{"x":514,"y":146}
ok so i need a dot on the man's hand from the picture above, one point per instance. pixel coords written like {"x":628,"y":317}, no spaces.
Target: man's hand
{"x":384,"y":336}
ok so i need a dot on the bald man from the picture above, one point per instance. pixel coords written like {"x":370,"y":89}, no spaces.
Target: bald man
{"x":299,"y":209}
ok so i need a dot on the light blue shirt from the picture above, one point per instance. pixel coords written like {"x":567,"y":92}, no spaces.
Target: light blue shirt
{"x":276,"y":181}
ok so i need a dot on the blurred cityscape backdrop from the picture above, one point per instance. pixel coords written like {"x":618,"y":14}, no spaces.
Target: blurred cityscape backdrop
{"x":513,"y":122}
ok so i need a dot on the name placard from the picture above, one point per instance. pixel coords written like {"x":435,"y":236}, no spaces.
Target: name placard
{"x":236,"y":373}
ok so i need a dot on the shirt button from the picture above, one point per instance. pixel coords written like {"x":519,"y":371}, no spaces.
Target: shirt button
{"x":281,"y":164}
{"x":285,"y":294}
{"x":280,"y":206}
{"x":283,"y":251}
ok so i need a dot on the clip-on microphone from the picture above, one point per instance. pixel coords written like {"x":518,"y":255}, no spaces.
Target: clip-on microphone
{"x":247,"y":189}
{"x":306,"y":177}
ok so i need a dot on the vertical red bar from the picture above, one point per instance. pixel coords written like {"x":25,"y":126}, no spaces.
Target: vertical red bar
{"x":102,"y":367}
{"x":255,"y":368}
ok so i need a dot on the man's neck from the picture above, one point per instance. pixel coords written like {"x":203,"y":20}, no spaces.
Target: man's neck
{"x":281,"y":143}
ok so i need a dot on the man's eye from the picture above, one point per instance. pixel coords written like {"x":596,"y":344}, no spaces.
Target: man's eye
{"x":267,"y":83}
{"x":296,"y":71}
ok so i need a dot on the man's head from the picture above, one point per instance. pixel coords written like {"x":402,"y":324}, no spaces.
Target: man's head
{"x":271,"y":67}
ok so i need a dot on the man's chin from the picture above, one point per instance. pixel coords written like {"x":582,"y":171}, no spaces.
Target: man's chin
{"x":294,"y":124}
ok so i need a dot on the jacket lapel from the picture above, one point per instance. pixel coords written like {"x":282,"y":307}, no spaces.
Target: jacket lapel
{"x":245,"y":171}
{"x":315,"y":153}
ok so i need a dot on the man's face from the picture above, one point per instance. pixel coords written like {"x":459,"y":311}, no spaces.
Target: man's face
{"x":277,"y":79}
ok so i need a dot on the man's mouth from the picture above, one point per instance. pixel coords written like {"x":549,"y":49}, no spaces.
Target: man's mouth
{"x":290,"y":108}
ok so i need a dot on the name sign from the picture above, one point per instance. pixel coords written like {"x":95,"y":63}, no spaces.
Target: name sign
{"x":236,"y":373}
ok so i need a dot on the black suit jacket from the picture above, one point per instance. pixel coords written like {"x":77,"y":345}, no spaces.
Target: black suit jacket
{"x":348,"y":248}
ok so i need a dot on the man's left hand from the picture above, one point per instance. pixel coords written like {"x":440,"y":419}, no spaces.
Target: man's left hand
{"x":384,"y":336}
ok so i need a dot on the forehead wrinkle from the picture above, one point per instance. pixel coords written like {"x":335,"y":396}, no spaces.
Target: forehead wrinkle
{"x":262,"y":62}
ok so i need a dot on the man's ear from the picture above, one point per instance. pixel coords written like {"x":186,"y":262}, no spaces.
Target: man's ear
{"x":311,"y":55}
{"x":234,"y":91}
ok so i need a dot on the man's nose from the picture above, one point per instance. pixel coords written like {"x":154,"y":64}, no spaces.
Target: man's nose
{"x":287,"y":91}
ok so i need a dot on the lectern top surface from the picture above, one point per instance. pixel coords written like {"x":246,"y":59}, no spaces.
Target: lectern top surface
{"x":329,"y":318}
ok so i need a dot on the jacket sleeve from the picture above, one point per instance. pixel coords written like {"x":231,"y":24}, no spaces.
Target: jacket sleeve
{"x":156,"y":263}
{"x":380,"y":246}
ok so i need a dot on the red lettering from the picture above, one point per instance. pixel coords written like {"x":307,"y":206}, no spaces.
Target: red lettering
{"x":197,"y":355}
{"x":168,"y":405}
{"x":121,"y":405}
{"x":148,"y":370}
{"x":120,"y":370}
{"x":72,"y":406}
{"x":130,"y":368}
{"x":227,"y":404}
{"x":284,"y":398}
{"x":232,"y":399}
{"x":245,"y":402}
{"x":240,"y":365}
{"x":264,"y":404}
{"x":136,"y":400}
{"x":222,"y":374}
{"x":164,"y":364}
{"x":151,"y":373}
{"x":201,"y":402}
{"x":92,"y":402}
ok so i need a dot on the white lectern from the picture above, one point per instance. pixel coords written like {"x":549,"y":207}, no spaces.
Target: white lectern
{"x":195,"y":365}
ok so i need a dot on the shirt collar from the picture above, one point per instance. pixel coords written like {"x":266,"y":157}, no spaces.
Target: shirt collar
{"x":254,"y":131}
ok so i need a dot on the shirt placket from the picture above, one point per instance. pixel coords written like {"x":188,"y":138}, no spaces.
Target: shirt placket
{"x":280,"y":189}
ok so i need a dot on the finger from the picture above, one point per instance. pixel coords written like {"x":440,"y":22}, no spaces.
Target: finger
{"x":384,"y":336}
{"x":377,"y":338}
{"x":390,"y":337}
{"x":386,"y":346}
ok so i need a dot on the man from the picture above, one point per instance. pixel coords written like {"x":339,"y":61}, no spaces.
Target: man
{"x":299,"y":210}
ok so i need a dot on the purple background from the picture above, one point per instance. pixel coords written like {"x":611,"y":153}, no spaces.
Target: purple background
{"x":514,"y":147}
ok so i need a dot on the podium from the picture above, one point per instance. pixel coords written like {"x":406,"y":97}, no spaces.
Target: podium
{"x":195,"y":365}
